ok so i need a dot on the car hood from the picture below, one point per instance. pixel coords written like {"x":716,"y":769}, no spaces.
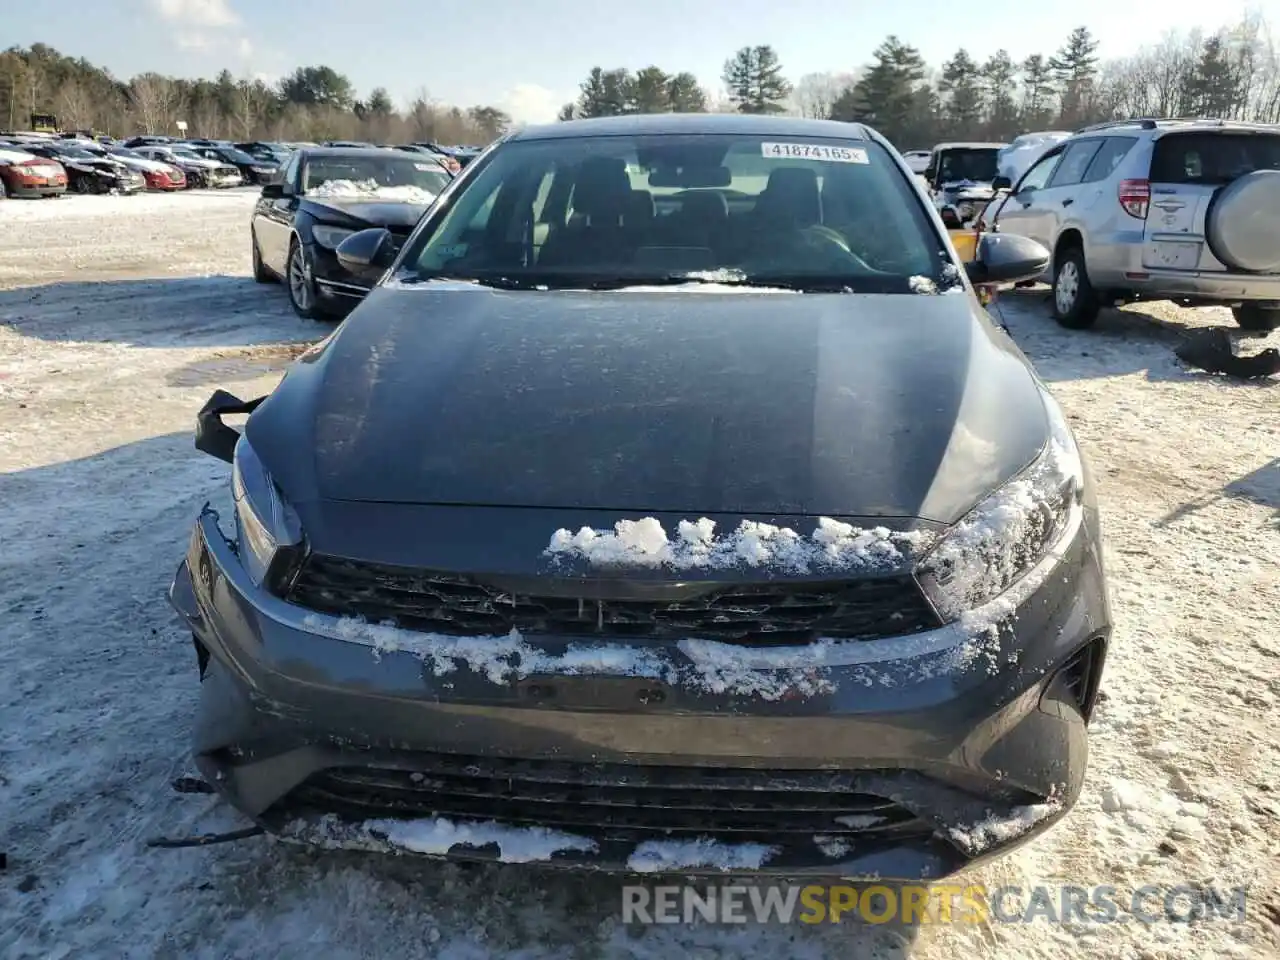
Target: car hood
{"x":775,"y":404}
{"x":374,"y":213}
{"x":138,"y":163}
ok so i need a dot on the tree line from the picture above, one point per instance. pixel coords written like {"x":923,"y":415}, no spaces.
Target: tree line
{"x":1233,"y":73}
{"x":312,"y":103}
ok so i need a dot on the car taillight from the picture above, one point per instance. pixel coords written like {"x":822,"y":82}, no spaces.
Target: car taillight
{"x":1135,"y":197}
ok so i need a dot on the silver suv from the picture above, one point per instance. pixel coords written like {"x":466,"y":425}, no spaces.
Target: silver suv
{"x":1181,"y":210}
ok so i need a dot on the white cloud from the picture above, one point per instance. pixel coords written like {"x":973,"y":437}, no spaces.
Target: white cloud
{"x":244,"y":48}
{"x":530,"y":103}
{"x":197,"y":13}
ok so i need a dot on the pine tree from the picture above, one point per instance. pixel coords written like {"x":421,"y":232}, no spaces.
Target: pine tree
{"x":755,"y":82}
{"x":1074,"y":68}
{"x":1037,"y":92}
{"x":650,"y":91}
{"x":605,"y":93}
{"x":962,"y":84}
{"x":998,"y":76}
{"x":1213,"y":89}
{"x":684,"y":94}
{"x":886,"y":95}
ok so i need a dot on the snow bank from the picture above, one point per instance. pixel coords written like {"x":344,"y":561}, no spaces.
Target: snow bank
{"x":832,"y":545}
{"x":371,"y":190}
{"x":658,"y":856}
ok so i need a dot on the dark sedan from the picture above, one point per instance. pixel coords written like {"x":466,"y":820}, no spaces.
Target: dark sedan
{"x":671,"y":504}
{"x":251,"y":168}
{"x":88,"y":172}
{"x":323,"y":196}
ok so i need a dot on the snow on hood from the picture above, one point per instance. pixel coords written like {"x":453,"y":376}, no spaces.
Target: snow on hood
{"x":16,"y":156}
{"x":143,"y":163}
{"x":832,"y":545}
{"x":371,"y":190}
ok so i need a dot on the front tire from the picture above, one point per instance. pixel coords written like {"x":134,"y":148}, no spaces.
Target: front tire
{"x":302,"y":290}
{"x":1075,"y":302}
{"x":1251,"y":316}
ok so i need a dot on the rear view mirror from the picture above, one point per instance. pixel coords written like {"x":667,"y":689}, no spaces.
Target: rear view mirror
{"x":1006,"y":258}
{"x":368,"y":248}
{"x":1001,"y":183}
{"x":691,"y":177}
{"x":274,"y":191}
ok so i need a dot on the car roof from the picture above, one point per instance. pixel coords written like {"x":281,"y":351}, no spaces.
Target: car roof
{"x":694,"y":123}
{"x":354,"y":152}
{"x":968,"y":145}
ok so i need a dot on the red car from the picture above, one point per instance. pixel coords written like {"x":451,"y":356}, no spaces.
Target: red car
{"x":25,"y":175}
{"x":159,"y":176}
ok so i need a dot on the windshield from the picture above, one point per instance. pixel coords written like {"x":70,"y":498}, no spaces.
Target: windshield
{"x":388,"y":177}
{"x":80,"y":153}
{"x":969,"y":164}
{"x":124,"y":152}
{"x":186,"y":153}
{"x":236,"y":156}
{"x":605,"y":212}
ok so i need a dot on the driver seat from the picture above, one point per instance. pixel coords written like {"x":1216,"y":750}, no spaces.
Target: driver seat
{"x":790,"y":200}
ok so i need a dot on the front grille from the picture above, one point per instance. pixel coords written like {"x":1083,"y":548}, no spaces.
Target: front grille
{"x":763,"y":613}
{"x":614,"y":801}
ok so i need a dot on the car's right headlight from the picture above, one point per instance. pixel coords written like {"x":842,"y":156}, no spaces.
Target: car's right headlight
{"x":330,"y":237}
{"x":268,"y":530}
{"x":1005,"y":537}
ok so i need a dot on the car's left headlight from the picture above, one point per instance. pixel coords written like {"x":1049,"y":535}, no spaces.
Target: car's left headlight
{"x":268,"y":530}
{"x":330,"y":237}
{"x":1006,"y":535}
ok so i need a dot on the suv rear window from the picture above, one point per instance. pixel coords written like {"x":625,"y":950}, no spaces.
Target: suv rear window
{"x":1213,"y":157}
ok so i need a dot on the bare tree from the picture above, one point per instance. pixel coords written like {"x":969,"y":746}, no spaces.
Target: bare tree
{"x":816,"y":93}
{"x":248,"y":107}
{"x":75,"y":107}
{"x":154,"y":101}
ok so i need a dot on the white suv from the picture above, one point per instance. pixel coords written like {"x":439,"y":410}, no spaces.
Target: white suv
{"x":1181,"y":210}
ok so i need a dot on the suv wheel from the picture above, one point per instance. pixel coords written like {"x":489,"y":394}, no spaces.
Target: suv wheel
{"x":1075,"y":302}
{"x":1251,"y":316}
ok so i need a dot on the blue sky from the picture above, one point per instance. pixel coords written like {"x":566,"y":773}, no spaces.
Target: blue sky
{"x":529,"y":55}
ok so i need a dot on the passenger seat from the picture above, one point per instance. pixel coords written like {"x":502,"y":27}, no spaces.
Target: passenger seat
{"x":596,"y":232}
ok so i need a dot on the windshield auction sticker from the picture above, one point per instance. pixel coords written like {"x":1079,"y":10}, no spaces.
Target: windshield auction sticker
{"x":815,"y":151}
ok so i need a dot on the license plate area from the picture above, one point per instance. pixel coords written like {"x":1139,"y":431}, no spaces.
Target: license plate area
{"x":1173,"y":254}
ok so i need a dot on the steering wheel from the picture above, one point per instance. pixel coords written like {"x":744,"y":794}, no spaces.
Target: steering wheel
{"x":827,"y":241}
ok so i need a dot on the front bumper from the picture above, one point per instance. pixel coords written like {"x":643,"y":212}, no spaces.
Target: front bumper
{"x":32,"y":189}
{"x":336,"y":285}
{"x":911,"y":758}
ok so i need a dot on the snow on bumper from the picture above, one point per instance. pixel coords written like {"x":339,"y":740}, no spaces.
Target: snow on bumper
{"x":957,"y":729}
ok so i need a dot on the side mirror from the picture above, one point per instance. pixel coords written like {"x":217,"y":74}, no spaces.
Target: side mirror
{"x":212,"y":435}
{"x":274,"y":191}
{"x":368,"y":248}
{"x":1001,"y":183}
{"x":1006,"y":258}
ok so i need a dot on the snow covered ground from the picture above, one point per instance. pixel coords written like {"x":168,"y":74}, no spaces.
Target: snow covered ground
{"x":118,"y":316}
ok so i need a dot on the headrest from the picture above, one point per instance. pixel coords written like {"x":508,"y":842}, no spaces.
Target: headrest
{"x":791,"y":197}
{"x":603,"y":189}
{"x":705,"y":205}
